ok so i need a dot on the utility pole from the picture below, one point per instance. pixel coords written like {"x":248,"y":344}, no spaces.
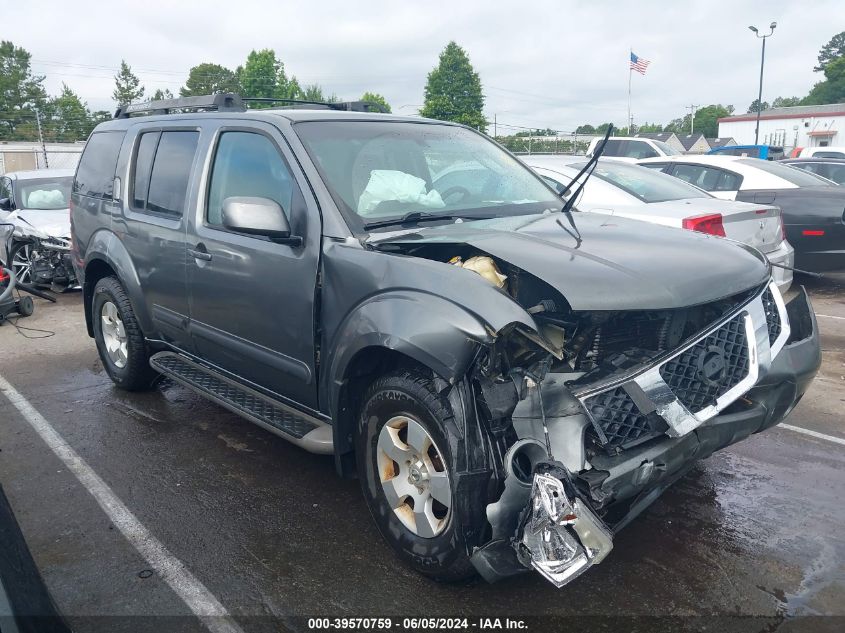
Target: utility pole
{"x":754,"y":30}
{"x":41,"y":138}
{"x":692,"y":108}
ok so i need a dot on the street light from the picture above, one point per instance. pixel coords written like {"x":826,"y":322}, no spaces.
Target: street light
{"x":754,"y":30}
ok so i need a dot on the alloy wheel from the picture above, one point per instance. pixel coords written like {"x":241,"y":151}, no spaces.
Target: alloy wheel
{"x":413,"y":476}
{"x":114,"y":335}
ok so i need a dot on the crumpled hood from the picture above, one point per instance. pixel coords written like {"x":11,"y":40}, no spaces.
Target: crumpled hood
{"x":54,"y":223}
{"x":617,"y":264}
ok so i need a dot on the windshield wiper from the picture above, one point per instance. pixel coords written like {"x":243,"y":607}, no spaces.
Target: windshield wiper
{"x":415,"y":217}
{"x":588,"y":169}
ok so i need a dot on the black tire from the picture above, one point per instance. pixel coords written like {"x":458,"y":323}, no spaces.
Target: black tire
{"x":26,"y":306}
{"x":17,"y":247}
{"x":136,"y":374}
{"x":443,"y":556}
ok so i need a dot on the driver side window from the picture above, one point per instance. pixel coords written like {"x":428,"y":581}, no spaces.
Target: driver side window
{"x":247,"y":164}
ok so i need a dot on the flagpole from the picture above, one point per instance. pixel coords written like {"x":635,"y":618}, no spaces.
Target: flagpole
{"x":628,"y":122}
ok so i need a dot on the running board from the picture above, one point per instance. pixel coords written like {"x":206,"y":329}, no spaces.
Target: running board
{"x":303,"y":430}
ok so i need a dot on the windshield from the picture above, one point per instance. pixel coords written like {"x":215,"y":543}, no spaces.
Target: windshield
{"x":379,"y":171}
{"x":43,"y":193}
{"x":646,"y":184}
{"x":790,"y":174}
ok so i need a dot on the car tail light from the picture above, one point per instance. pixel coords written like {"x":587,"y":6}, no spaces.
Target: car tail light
{"x":813,"y":233}
{"x":710,"y":224}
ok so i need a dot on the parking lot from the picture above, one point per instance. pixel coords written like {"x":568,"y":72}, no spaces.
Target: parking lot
{"x":273,"y":535}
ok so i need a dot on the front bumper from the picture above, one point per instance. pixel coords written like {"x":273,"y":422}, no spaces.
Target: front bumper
{"x":617,"y":487}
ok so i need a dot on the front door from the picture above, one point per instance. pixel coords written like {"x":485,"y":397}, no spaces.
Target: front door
{"x":251,"y":299}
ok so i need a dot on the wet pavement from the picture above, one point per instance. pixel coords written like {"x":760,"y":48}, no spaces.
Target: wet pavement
{"x":270,"y":530}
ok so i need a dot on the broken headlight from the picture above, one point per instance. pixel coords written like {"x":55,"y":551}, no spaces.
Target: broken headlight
{"x":561,"y":535}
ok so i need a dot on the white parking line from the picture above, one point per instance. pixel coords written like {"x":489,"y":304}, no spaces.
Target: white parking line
{"x":199,"y":599}
{"x":827,"y":316}
{"x":821,"y":436}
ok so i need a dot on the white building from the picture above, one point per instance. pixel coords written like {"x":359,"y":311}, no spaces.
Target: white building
{"x":798,"y":126}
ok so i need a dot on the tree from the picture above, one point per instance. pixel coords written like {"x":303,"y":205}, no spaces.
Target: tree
{"x":585,"y":129}
{"x":707,"y":119}
{"x":207,"y":79}
{"x":754,"y":106}
{"x":160,"y":94}
{"x":453,"y":90}
{"x":21,"y":94}
{"x":127,"y":87}
{"x":69,"y":118}
{"x":374,"y":97}
{"x":650,"y":128}
{"x":786,"y":102}
{"x":678,"y":126}
{"x":832,"y":89}
{"x":834,"y":49}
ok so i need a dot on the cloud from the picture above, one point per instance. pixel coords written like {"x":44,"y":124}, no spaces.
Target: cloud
{"x":543,"y":64}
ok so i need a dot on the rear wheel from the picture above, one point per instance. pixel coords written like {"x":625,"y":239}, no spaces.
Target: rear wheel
{"x":119,"y":339}
{"x":404,"y":445}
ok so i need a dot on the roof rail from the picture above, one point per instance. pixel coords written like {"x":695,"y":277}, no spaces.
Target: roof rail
{"x":349,"y":106}
{"x":220,"y":102}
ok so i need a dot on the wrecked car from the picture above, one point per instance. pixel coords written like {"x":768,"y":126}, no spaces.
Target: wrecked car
{"x":37,"y":202}
{"x":511,"y":382}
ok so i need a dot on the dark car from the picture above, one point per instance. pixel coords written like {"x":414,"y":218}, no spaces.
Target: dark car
{"x":813,"y":207}
{"x":830,"y":168}
{"x":511,"y":383}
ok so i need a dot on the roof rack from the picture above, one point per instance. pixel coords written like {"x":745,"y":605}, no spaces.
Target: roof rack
{"x":230,"y":102}
{"x":349,"y":106}
{"x":220,"y":102}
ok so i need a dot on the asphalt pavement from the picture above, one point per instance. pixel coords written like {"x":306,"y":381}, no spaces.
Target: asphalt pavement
{"x":263,"y":534}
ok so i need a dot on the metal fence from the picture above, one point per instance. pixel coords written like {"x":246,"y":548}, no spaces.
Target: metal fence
{"x":29,"y":158}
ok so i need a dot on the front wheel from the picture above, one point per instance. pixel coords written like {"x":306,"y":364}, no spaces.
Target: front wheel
{"x":404,"y":446}
{"x":22,"y":256}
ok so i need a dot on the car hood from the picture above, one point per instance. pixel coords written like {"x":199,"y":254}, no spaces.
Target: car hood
{"x":606,"y":263}
{"x":53,"y":222}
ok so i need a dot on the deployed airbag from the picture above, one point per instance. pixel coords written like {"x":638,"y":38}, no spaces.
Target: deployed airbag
{"x":396,"y":186}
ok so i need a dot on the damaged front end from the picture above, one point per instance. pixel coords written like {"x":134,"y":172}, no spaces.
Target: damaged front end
{"x":593,"y":413}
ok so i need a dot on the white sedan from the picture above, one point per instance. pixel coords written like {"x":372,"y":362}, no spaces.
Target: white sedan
{"x":626,"y":190}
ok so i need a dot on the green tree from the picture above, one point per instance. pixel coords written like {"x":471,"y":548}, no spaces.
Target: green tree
{"x":160,"y":94}
{"x":832,"y":89}
{"x":127,"y":87}
{"x":585,"y":129}
{"x":453,"y":90}
{"x":786,"y":102}
{"x":258,"y":75}
{"x":834,"y":49}
{"x":374,"y":97}
{"x":21,"y":93}
{"x":602,"y":129}
{"x":69,"y":118}
{"x":650,"y":128}
{"x":753,"y":107}
{"x":707,"y":119}
{"x":207,"y":79}
{"x":678,"y":126}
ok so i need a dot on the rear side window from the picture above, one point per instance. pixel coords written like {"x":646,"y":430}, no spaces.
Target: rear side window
{"x":628,"y":149}
{"x":95,"y":174}
{"x":708,"y":178}
{"x":162,"y":171}
{"x":829,"y":155}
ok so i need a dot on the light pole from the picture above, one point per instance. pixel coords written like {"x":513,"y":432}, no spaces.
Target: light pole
{"x":762,"y":61}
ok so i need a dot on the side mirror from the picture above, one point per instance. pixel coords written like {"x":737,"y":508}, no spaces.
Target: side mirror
{"x":5,"y":204}
{"x":258,"y":216}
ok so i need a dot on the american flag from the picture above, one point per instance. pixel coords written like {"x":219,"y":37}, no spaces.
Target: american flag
{"x":638,"y":63}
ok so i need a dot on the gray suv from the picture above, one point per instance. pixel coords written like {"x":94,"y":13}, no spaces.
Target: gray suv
{"x":511,"y":381}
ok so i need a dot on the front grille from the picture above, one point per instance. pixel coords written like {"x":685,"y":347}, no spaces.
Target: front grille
{"x":772,"y":316}
{"x":619,"y":419}
{"x":711,"y":367}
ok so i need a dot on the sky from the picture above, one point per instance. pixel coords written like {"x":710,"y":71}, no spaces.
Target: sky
{"x":542,"y":64}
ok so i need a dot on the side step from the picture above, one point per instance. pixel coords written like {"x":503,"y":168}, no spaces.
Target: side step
{"x":303,"y":430}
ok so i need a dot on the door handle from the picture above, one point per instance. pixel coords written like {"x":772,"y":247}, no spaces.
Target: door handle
{"x":200,"y":253}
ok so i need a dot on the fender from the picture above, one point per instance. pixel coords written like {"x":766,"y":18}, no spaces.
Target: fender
{"x":104,"y":246}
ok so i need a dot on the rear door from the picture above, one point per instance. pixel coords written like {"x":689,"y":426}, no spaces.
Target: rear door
{"x":251,"y":299}
{"x":161,"y":183}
